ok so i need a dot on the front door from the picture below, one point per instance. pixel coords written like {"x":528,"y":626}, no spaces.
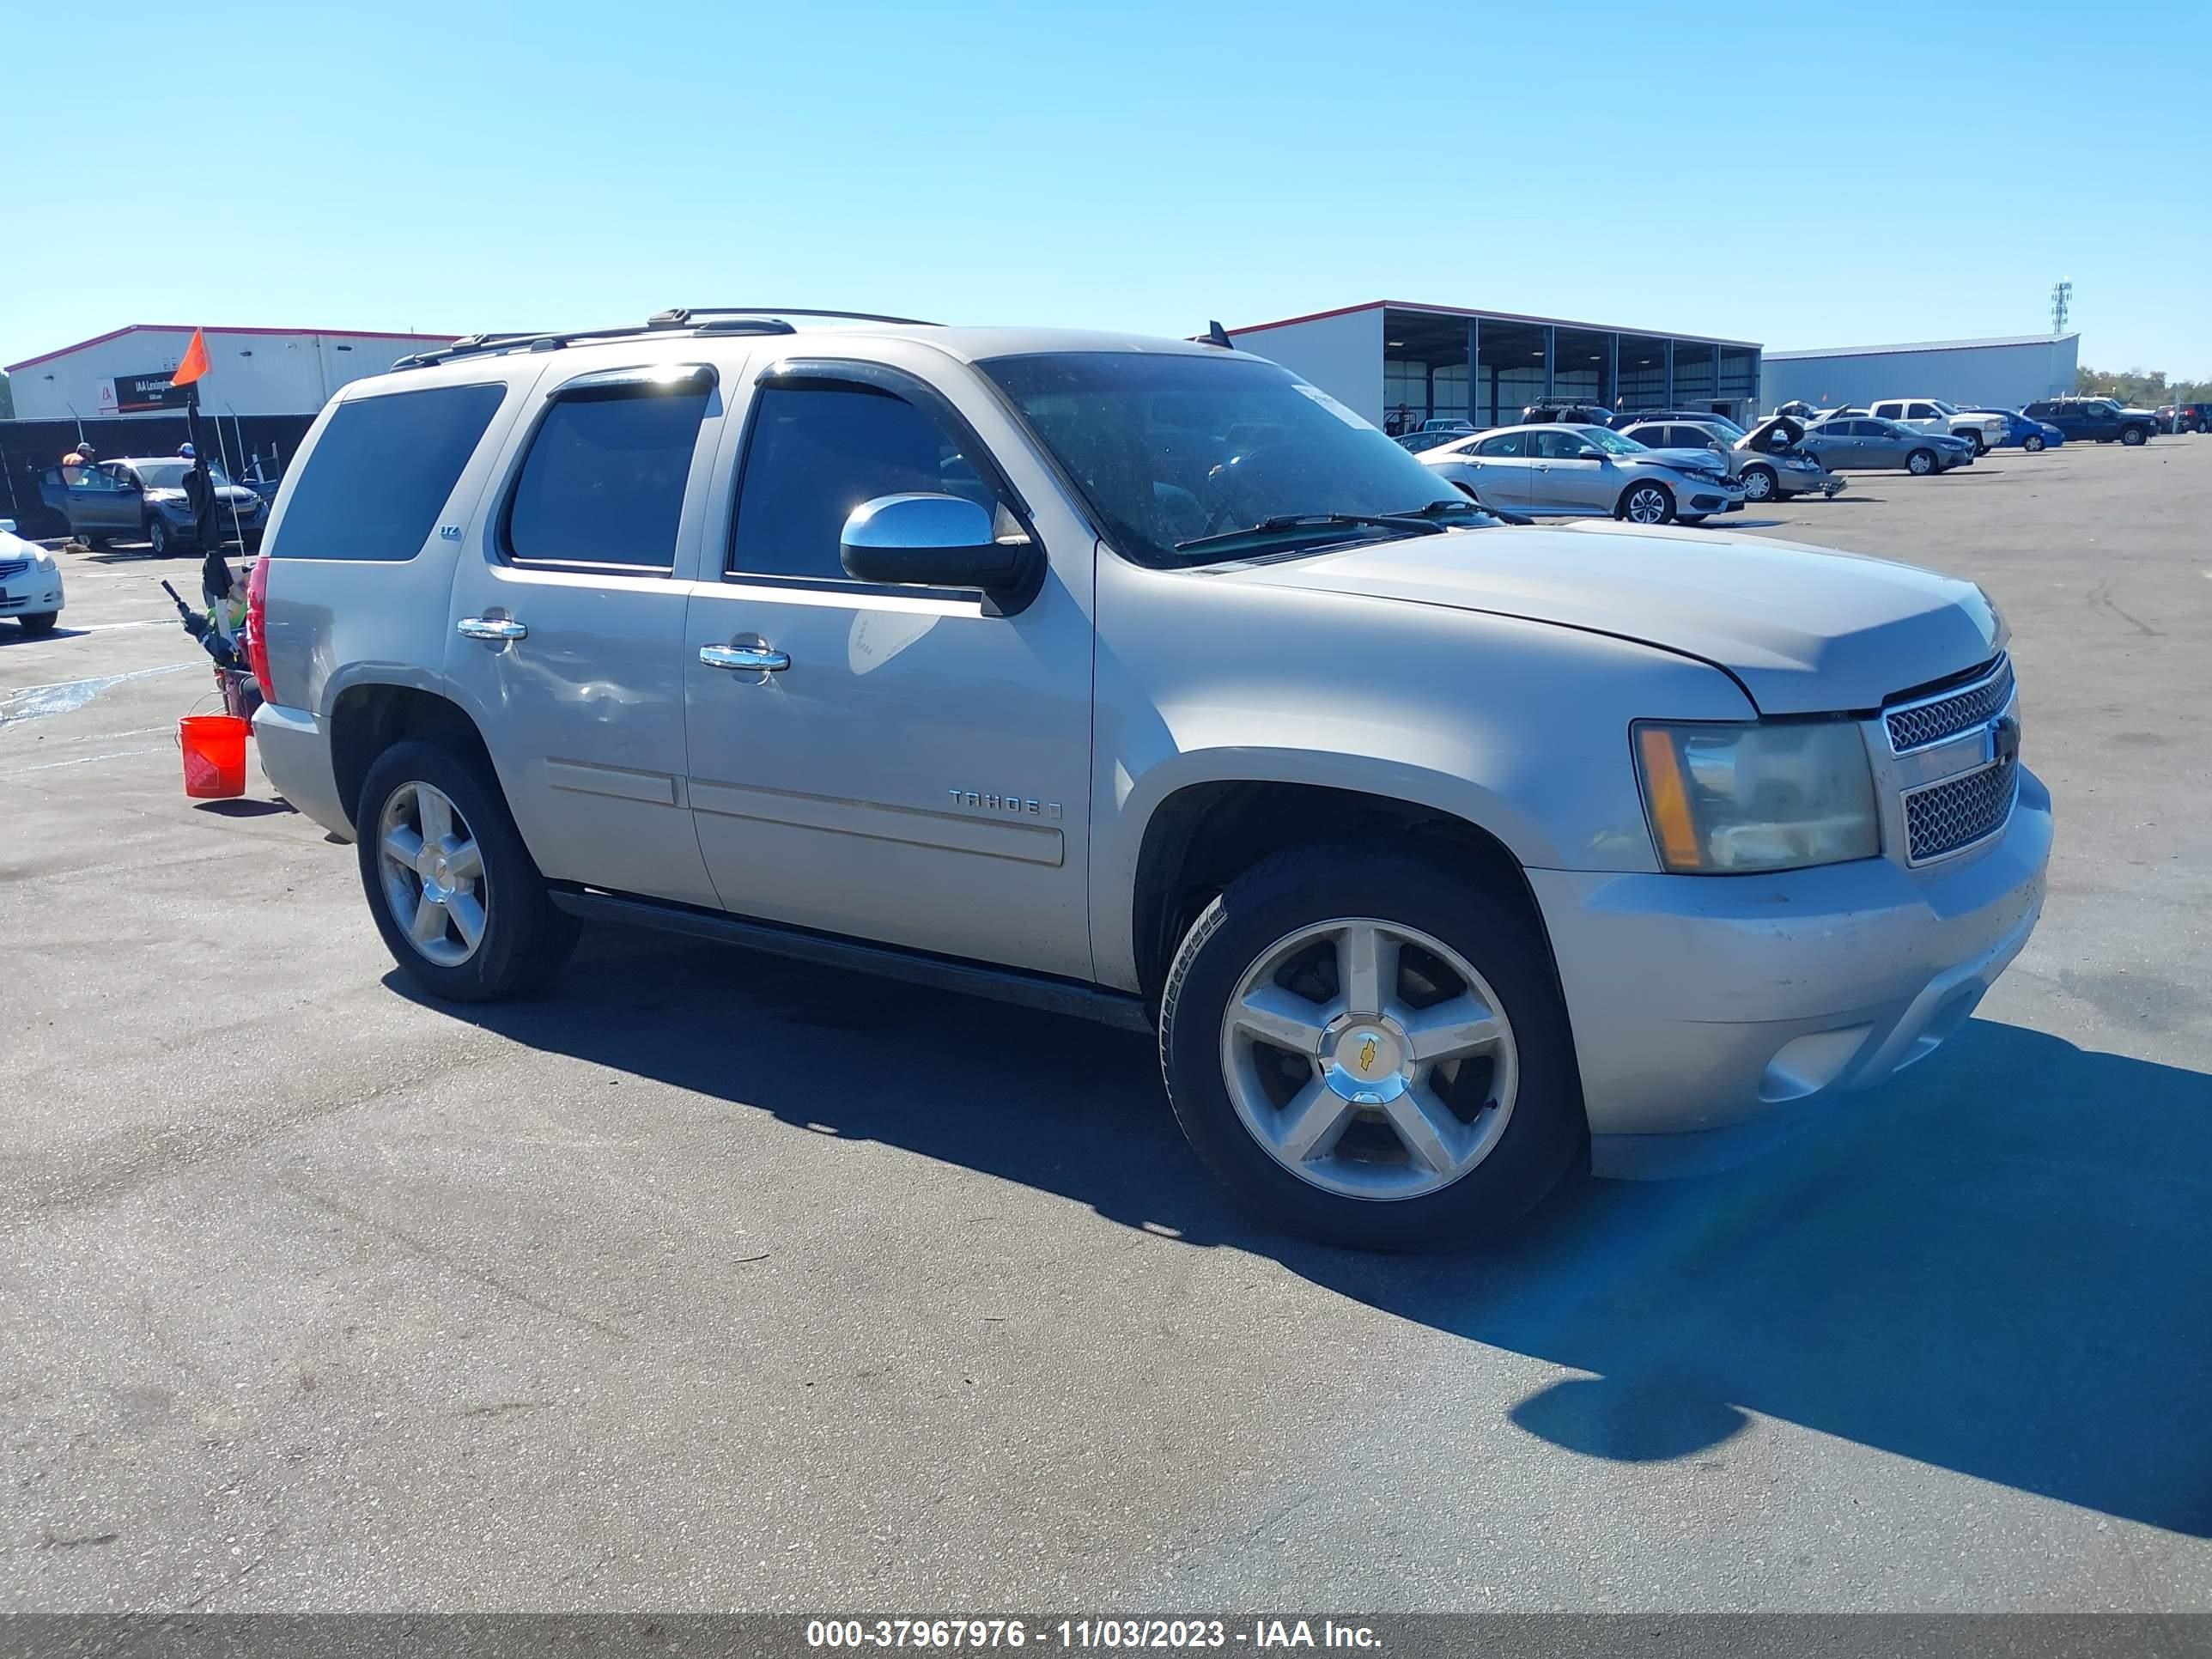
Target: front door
{"x":568,"y":621}
{"x":898,"y":764}
{"x":1566,"y":474}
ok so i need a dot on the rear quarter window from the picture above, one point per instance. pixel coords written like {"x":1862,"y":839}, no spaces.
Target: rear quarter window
{"x":376,"y":480}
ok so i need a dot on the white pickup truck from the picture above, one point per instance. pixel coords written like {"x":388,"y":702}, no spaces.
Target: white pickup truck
{"x":1984,"y":432}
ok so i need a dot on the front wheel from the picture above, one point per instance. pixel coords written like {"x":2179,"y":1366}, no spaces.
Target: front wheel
{"x":162,"y":539}
{"x":1759,"y":483}
{"x":2134,"y":437}
{"x":1368,"y":1046}
{"x":1646,"y":503}
{"x":2032,"y":443}
{"x":459,"y":901}
{"x":1920,"y":463}
{"x":1981,"y":444}
{"x":38,"y":622}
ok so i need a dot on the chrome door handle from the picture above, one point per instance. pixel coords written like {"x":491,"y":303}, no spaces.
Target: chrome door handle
{"x":490,"y":628}
{"x":757,"y":658}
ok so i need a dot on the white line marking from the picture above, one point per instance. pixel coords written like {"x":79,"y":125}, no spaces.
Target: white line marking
{"x":88,"y":760}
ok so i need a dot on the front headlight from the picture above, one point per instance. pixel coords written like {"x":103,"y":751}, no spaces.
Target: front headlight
{"x":1726,"y":798}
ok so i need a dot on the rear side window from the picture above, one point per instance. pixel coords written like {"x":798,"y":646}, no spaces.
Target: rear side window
{"x":604,"y":482}
{"x":1505,"y":443}
{"x":376,"y":480}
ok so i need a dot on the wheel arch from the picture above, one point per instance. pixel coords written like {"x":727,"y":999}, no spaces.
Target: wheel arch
{"x":368,"y":717}
{"x":1204,"y":834}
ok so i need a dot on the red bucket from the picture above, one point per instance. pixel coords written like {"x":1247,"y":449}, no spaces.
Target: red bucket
{"x":214,"y":756}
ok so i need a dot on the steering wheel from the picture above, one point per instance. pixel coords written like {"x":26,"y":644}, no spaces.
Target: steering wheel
{"x":1227,"y":480}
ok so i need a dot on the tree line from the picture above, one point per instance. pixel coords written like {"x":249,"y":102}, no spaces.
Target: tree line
{"x":2145,"y":388}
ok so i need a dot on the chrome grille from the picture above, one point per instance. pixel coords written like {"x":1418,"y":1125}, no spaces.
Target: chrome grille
{"x":13,"y":567}
{"x":1917,"y":725}
{"x":1947,"y":817}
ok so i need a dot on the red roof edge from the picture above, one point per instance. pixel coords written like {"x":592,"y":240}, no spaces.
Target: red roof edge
{"x":187,"y":328}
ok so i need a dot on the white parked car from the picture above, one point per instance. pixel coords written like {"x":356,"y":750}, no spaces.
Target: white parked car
{"x":1933,"y":415}
{"x":30,"y":582}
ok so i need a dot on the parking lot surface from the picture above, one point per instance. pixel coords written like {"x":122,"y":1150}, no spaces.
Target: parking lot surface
{"x":708,"y":1280}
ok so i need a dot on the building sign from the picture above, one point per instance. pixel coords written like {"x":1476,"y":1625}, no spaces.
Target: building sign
{"x":136,"y":392}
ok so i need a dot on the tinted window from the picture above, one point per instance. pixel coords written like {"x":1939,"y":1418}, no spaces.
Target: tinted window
{"x":375,"y":481}
{"x":1505,"y":443}
{"x":604,"y":481}
{"x":816,"y":454}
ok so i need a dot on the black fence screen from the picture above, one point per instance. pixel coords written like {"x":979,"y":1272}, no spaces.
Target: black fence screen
{"x":247,"y":446}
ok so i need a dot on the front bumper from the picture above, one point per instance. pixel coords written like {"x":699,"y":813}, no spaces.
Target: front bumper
{"x":1708,"y":1011}
{"x":295,"y":758}
{"x":33,"y":593}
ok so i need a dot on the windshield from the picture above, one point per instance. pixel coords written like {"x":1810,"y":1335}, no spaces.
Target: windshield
{"x":1171,"y":450}
{"x":1942,"y":408}
{"x":1611,"y":442}
{"x":170,"y":475}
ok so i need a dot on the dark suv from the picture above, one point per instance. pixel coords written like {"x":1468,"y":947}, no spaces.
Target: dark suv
{"x":2101,"y":418}
{"x":142,"y":498}
{"x":1566,"y":411}
{"x":2193,"y":417}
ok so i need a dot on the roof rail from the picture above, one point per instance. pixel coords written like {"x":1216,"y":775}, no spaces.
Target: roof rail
{"x":682,"y":316}
{"x":475,"y":345}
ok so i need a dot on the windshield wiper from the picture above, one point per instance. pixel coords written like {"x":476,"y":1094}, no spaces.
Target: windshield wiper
{"x":1282,"y":521}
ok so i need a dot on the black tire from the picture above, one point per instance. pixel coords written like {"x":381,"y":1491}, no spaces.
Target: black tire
{"x":526,"y":937}
{"x":38,"y":622}
{"x":1388,"y":880}
{"x":2032,"y":443}
{"x":158,"y":535}
{"x":1981,"y":444}
{"x":2134,"y":436}
{"x":1920,"y":463}
{"x":97,"y":544}
{"x":1761,"y":483}
{"x":1623,"y":509}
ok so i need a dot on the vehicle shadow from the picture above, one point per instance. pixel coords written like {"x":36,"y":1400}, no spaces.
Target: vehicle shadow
{"x":12,"y":636}
{"x":2000,"y":1264}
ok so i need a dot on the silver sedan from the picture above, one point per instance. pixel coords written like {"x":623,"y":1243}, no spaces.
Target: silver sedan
{"x":1586,"y":471}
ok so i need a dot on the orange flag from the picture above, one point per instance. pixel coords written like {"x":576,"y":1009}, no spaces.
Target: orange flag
{"x":195,"y":364}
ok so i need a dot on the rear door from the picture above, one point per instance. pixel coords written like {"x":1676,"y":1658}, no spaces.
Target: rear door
{"x":568,"y":621}
{"x":906,"y":764}
{"x":1500,"y":468}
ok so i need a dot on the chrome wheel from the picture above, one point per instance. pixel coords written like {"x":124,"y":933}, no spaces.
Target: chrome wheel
{"x":1368,"y":1058}
{"x":433,"y":873}
{"x":1647,"y":504}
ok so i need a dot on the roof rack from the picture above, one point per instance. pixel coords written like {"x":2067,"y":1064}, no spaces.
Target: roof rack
{"x":701,"y":320}
{"x":685,"y":316}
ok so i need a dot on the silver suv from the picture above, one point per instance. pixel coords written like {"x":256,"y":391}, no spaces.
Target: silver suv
{"x":1141,"y":679}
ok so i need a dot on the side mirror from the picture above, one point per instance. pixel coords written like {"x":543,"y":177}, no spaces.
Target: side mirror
{"x":932,"y":541}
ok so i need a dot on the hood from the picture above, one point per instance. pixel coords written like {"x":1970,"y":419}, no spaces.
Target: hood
{"x":1706,"y":460}
{"x":1790,"y":431}
{"x":1806,"y":631}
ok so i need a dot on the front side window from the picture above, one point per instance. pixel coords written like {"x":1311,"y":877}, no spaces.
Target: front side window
{"x":817,"y":451}
{"x":1921,"y":412}
{"x":603,"y":484}
{"x":1562,"y":447}
{"x":375,"y":481}
{"x":1254,"y":449}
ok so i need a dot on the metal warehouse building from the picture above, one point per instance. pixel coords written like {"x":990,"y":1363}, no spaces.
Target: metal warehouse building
{"x":252,"y":371}
{"x":2003,"y":373}
{"x":1388,"y":356}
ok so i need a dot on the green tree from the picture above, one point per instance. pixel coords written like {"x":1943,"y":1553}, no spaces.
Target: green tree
{"x":2147,"y":388}
{"x":7,"y":398}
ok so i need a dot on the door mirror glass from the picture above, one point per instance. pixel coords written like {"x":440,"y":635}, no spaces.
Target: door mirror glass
{"x":927,"y":540}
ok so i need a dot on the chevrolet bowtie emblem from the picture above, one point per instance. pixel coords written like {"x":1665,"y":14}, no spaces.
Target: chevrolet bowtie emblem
{"x":1367,"y":1056}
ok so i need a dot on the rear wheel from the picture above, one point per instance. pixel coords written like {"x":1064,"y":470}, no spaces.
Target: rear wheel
{"x":2032,"y":443}
{"x":37,"y":622}
{"x":459,"y":901}
{"x":1368,"y":1046}
{"x":1759,"y":483}
{"x":1648,"y":502}
{"x":2133,"y":436}
{"x":97,"y":544}
{"x":1920,"y":463}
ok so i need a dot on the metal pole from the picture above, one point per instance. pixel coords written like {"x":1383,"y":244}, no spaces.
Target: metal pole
{"x":1670,"y":371}
{"x":1551,"y":353}
{"x":1716,"y":370}
{"x":1611,"y":398}
{"x":1474,"y":372}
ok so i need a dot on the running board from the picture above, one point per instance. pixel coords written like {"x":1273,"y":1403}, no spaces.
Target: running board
{"x":1038,"y":991}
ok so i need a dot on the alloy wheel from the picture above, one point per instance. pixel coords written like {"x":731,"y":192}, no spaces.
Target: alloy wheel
{"x":433,"y":873}
{"x":1647,"y":505}
{"x":1369,"y":1059}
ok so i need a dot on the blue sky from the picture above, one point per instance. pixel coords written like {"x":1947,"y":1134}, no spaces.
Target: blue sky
{"x":1815,"y":174}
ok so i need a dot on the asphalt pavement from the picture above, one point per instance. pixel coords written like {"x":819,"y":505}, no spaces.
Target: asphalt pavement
{"x":710,"y":1281}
